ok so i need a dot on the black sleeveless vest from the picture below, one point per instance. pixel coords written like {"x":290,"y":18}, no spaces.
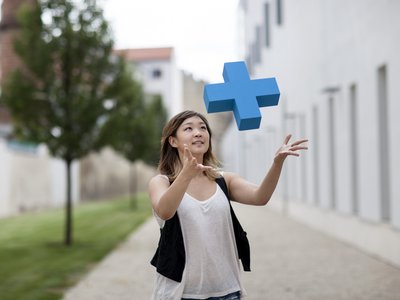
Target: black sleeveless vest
{"x":169,"y":258}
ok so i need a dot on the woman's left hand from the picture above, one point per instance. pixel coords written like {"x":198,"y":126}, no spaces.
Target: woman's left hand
{"x":289,"y":149}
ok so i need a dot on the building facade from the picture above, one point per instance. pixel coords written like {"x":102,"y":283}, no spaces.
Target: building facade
{"x":9,"y":60}
{"x":336,"y":63}
{"x":156,"y":69}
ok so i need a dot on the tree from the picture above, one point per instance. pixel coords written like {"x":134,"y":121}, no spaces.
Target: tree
{"x":71,"y":87}
{"x":136,"y":132}
{"x":146,"y":137}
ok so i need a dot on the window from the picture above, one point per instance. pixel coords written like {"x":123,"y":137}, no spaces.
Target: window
{"x":249,"y":64}
{"x":279,"y":8}
{"x":244,"y":4}
{"x":383,"y":137}
{"x":354,"y":148}
{"x":257,"y":45}
{"x":253,"y":56}
{"x":266,"y":24}
{"x":332,"y":147}
{"x":304,"y":173}
{"x":316,"y":153}
{"x":156,"y":73}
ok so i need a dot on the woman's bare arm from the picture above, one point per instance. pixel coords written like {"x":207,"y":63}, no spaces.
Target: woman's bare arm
{"x":246,"y":192}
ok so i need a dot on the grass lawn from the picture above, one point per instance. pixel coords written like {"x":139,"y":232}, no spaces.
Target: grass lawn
{"x":34,"y":263}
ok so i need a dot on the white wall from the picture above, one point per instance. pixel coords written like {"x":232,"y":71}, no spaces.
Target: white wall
{"x":4,"y":178}
{"x":329,"y":44}
{"x":32,"y":180}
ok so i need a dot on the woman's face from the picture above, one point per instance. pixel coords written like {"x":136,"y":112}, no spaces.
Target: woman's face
{"x":192,"y":132}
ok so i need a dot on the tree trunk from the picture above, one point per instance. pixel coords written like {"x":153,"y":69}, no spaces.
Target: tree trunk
{"x":68,"y":208}
{"x":133,"y":186}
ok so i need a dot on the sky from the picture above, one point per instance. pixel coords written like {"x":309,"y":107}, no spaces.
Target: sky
{"x":203,"y":33}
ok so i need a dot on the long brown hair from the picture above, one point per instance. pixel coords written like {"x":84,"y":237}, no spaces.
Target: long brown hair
{"x":170,"y":163}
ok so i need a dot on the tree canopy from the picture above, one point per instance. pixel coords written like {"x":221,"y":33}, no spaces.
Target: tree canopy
{"x":72,"y":93}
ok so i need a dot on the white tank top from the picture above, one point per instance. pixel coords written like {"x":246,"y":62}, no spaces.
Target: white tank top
{"x":212,"y":266}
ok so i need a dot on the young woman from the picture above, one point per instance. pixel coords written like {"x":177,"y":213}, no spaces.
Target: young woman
{"x":202,"y":242}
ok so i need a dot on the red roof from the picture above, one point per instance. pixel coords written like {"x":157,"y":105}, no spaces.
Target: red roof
{"x":141,"y":54}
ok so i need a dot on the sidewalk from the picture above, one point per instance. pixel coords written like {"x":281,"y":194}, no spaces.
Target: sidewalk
{"x":289,"y":262}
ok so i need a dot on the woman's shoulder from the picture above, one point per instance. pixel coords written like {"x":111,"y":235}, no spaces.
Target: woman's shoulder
{"x":228,"y":175}
{"x":159,"y":178}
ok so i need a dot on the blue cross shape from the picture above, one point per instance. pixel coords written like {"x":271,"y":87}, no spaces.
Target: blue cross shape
{"x":241,"y":95}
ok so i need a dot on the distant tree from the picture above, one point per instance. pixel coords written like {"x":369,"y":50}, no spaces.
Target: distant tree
{"x":149,"y":138}
{"x":72,"y":90}
{"x":141,"y":139}
{"x":158,"y":118}
{"x":136,"y":132}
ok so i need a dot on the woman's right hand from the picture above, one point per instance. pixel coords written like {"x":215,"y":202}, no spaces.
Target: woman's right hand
{"x":191,"y":167}
{"x":165,"y":198}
